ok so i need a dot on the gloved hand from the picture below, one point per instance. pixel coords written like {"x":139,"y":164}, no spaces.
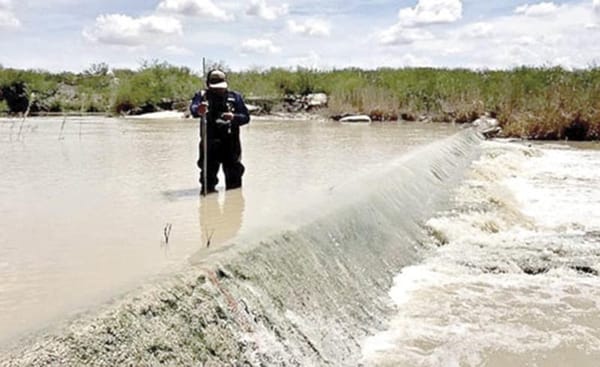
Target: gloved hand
{"x":226,"y":119}
{"x":227,"y":116}
{"x":202,"y":108}
{"x":222,"y":122}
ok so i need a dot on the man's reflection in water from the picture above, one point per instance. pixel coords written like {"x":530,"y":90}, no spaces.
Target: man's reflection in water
{"x":220,"y":217}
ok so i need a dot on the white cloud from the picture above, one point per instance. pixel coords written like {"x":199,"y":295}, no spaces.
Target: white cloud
{"x":526,"y":41}
{"x":406,"y":31}
{"x":431,"y":12}
{"x":538,"y":10}
{"x":517,"y":40}
{"x":503,"y":41}
{"x":310,"y":27}
{"x":8,"y":19}
{"x":259,"y":46}
{"x":259,"y":8}
{"x":195,"y":8}
{"x":310,"y":60}
{"x":399,"y":60}
{"x":398,"y":35}
{"x":118,"y":29}
{"x":479,"y":30}
{"x":410,"y":60}
{"x":594,"y":23}
{"x":178,"y":50}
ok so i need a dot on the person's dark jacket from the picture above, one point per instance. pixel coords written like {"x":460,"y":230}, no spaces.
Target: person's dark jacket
{"x":217,"y":105}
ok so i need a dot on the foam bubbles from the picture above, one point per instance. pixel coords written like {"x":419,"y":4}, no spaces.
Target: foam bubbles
{"x":515,"y":281}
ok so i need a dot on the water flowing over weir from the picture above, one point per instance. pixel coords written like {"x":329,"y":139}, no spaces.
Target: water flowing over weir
{"x":307,"y":295}
{"x":516,"y":282}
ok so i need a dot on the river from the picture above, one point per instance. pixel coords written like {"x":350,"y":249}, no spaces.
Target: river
{"x":85,"y":201}
{"x":378,"y":245}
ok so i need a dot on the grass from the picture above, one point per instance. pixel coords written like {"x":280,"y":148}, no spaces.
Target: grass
{"x":535,"y":103}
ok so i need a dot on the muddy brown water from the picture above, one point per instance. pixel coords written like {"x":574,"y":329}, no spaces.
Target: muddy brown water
{"x":84,"y":204}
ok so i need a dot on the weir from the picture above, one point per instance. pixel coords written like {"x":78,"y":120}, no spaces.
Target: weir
{"x":307,"y":294}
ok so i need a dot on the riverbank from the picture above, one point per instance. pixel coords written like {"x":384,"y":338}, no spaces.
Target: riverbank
{"x":532,"y":103}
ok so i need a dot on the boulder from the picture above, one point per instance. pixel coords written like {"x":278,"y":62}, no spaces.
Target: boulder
{"x":300,"y":103}
{"x":253,"y":109}
{"x":486,"y":122}
{"x":356,"y":119}
{"x":487,"y":126}
{"x":315,"y":100}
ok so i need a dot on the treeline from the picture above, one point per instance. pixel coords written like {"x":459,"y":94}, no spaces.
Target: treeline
{"x":154,"y":86}
{"x":539,"y":103}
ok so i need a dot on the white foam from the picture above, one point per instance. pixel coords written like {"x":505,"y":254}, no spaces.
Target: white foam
{"x":561,"y":188}
{"x":511,"y":287}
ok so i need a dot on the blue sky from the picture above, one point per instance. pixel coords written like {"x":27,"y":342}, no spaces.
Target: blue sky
{"x":73,"y":34}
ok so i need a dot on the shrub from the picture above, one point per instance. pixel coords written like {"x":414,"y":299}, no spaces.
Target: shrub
{"x":540,"y":103}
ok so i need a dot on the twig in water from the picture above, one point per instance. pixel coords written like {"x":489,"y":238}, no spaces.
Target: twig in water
{"x":25,"y":115}
{"x":208,"y":237}
{"x":167,"y":232}
{"x":62,"y":127}
{"x":12,"y":126}
{"x":83,"y":100}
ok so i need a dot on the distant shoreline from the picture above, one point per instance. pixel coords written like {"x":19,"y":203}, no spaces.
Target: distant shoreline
{"x":530,"y":103}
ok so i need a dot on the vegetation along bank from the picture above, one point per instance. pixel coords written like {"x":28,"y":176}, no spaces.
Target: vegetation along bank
{"x":534,"y":103}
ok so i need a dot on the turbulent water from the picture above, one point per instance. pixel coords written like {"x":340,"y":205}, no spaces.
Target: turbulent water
{"x":515,"y":281}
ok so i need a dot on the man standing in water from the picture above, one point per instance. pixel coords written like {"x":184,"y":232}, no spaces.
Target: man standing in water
{"x":225,"y":112}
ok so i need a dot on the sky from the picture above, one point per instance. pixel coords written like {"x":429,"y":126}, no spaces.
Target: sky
{"x":71,"y":35}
